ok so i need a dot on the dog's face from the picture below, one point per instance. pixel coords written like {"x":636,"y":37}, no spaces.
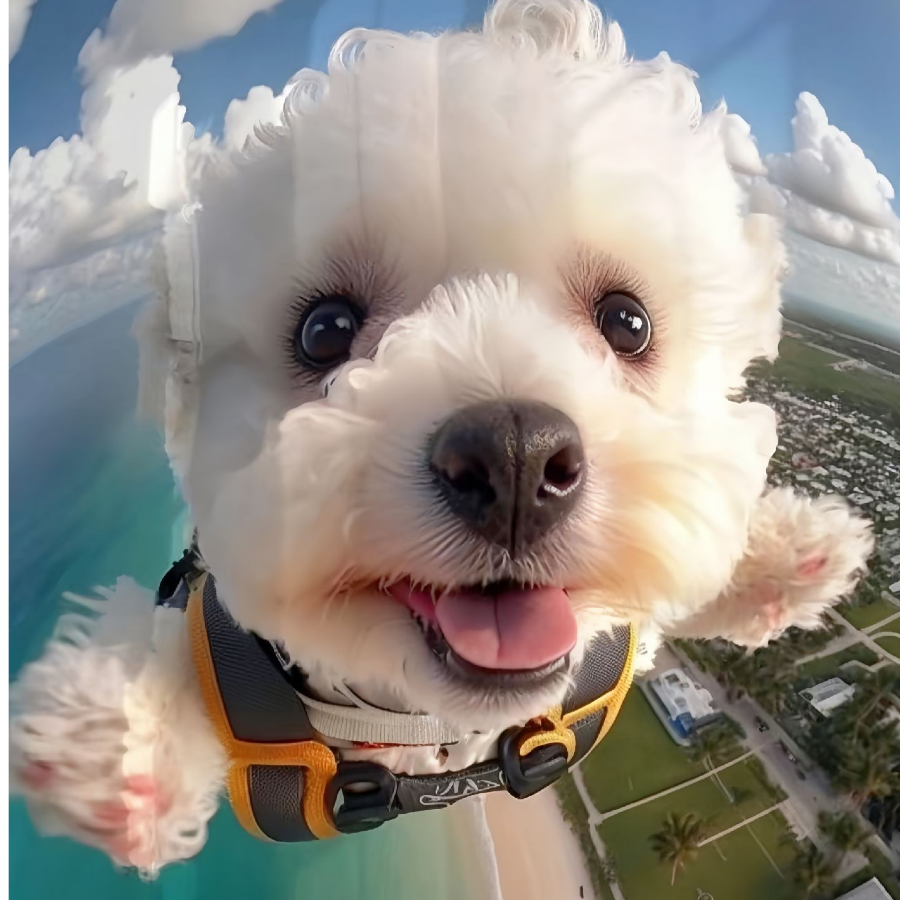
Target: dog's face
{"x":470,"y":325}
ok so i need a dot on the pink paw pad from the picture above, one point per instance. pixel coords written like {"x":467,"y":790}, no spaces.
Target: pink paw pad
{"x":811,"y":567}
{"x":38,"y":776}
{"x":139,"y":799}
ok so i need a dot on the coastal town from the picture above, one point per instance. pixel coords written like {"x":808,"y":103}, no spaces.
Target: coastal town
{"x":774,"y":774}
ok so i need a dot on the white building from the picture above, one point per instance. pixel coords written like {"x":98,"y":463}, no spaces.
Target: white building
{"x":686,"y":702}
{"x":872,"y":889}
{"x":828,"y":695}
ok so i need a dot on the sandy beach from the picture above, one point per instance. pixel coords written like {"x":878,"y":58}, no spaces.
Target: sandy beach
{"x":538,"y":857}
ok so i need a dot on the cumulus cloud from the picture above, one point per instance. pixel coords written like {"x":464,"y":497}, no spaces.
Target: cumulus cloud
{"x":107,"y":184}
{"x":19,"y":16}
{"x":138,"y":29}
{"x":825,"y":188}
{"x":85,"y":212}
{"x":828,"y":170}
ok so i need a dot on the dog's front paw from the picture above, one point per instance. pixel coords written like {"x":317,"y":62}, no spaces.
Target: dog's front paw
{"x":119,"y":815}
{"x":108,"y":741}
{"x":802,"y":556}
{"x":69,"y":756}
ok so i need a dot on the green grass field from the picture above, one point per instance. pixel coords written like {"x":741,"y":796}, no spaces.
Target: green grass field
{"x":865,"y":614}
{"x":744,"y":874}
{"x":636,"y":759}
{"x":830,"y":666}
{"x":809,"y":369}
{"x":891,"y":643}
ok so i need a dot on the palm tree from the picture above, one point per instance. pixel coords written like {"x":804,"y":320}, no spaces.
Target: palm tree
{"x":866,"y":774}
{"x":773,"y":693}
{"x":713,"y":745}
{"x":765,"y":674}
{"x":873,"y":691}
{"x":678,"y":840}
{"x":844,"y":832}
{"x":813,"y":871}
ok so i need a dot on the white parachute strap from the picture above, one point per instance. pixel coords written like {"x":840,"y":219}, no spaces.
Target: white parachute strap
{"x":183,"y":275}
{"x":182,"y":263}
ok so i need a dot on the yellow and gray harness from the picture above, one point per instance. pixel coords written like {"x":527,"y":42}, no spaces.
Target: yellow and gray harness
{"x":285,"y":783}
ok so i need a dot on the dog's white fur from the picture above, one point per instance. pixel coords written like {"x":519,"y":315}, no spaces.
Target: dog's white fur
{"x":480,"y":190}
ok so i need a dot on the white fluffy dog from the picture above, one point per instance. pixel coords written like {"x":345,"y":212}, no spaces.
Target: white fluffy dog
{"x":474,"y":321}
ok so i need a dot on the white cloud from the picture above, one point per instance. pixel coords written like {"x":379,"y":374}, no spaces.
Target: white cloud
{"x":825,"y":188}
{"x":82,"y":194}
{"x":85,"y":212}
{"x":138,"y":29}
{"x":19,"y":15}
{"x":843,"y":286}
{"x":828,"y":170}
{"x":46,"y":303}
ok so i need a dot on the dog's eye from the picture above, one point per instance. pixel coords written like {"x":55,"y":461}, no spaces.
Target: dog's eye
{"x":325,"y":333}
{"x":624,"y":324}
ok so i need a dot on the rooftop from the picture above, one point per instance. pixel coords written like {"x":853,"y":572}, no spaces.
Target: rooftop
{"x":869,"y":890}
{"x":828,"y":695}
{"x":682,"y":696}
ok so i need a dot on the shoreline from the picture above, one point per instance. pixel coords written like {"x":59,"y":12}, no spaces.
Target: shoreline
{"x":538,"y":857}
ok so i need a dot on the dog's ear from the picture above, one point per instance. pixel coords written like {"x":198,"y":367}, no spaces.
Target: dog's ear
{"x":802,"y":556}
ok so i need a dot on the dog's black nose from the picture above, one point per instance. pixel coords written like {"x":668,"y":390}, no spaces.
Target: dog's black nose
{"x":511,"y":470}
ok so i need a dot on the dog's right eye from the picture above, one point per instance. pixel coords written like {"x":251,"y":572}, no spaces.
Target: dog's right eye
{"x":624,"y":324}
{"x":325,"y":334}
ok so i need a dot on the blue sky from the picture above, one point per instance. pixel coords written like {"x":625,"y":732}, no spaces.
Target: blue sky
{"x":757,"y":54}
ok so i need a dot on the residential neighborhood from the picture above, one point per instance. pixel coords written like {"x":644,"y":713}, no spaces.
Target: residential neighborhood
{"x":772,"y":775}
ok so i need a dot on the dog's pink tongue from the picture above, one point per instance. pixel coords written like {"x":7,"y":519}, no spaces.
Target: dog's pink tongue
{"x":517,"y":629}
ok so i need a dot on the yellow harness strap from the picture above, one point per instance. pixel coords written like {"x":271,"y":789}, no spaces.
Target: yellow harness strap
{"x":558,"y":727}
{"x":315,"y":758}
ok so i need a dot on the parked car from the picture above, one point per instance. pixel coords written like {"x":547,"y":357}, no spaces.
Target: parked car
{"x":787,"y":752}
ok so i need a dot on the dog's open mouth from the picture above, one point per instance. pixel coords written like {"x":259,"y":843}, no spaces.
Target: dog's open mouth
{"x":501,"y":632}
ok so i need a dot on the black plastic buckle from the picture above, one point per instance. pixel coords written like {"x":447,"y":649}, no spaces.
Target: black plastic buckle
{"x":176,"y":575}
{"x":526,"y":775}
{"x":371,"y":805}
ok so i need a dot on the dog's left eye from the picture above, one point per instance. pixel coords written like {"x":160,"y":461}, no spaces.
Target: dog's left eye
{"x":325,"y":334}
{"x":624,"y":323}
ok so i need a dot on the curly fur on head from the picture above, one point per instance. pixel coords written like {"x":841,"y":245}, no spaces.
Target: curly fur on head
{"x":474,"y":196}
